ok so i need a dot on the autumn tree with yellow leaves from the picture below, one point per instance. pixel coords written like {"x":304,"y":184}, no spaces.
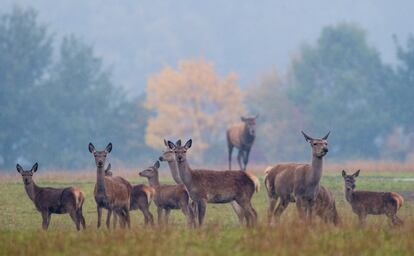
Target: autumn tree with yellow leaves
{"x":192,"y":102}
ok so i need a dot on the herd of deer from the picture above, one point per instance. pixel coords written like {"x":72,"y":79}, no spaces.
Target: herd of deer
{"x":285,"y":183}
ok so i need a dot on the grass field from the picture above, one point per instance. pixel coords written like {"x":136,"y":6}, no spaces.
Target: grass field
{"x":21,"y":233}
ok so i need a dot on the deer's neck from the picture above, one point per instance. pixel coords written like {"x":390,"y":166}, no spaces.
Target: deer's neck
{"x":348,"y":194}
{"x":174,"y":172}
{"x":100,"y":181}
{"x":185,"y":173}
{"x":32,"y":189}
{"x":154,"y":181}
{"x":316,"y":170}
{"x":246,"y":136}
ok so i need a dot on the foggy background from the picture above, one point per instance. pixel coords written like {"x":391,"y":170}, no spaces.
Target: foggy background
{"x":73,"y":72}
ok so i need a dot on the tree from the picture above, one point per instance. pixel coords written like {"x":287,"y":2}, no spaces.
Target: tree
{"x":25,"y":52}
{"x":341,"y":85}
{"x":281,"y":121}
{"x":192,"y":101}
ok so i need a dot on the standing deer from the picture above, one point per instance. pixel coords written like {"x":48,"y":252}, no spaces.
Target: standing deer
{"x":242,"y":137}
{"x":294,"y":182}
{"x":325,"y":206}
{"x":207,"y":186}
{"x":168,"y":197}
{"x":111,"y":193}
{"x":369,"y":202}
{"x":141,"y":197}
{"x":53,"y":200}
{"x":169,"y":156}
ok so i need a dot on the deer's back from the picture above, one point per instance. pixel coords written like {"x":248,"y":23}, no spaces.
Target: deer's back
{"x":285,"y":177}
{"x":371,"y":202}
{"x":221,"y":186}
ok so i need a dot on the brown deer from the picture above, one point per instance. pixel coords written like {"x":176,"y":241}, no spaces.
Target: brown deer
{"x":168,"y":197}
{"x":111,"y":193}
{"x":325,"y":206}
{"x":294,"y":182}
{"x":369,"y":202}
{"x":141,"y":197}
{"x":242,"y":137}
{"x":207,"y":186}
{"x":169,"y":156}
{"x":54,"y":200}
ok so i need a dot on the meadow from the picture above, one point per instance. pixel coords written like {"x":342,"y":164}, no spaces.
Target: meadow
{"x":21,"y":233}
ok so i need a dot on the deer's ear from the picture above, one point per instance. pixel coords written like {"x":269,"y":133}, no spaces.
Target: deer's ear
{"x":109,"y":148}
{"x":188,"y":144}
{"x":356,"y":174}
{"x":243,"y":119}
{"x":178,"y":143}
{"x":326,"y":136}
{"x":157,"y":164}
{"x":108,"y":168}
{"x":91,"y":147}
{"x":171,"y":145}
{"x":343,"y":173}
{"x":34,"y":168}
{"x":165,"y":143}
{"x":19,"y":168}
{"x":307,"y":137}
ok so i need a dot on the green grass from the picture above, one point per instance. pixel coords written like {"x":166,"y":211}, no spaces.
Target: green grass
{"x":21,"y":234}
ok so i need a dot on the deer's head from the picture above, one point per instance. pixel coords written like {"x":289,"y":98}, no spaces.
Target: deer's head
{"x":150,"y":171}
{"x":27,"y":175}
{"x":108,"y":171}
{"x":100,"y":156}
{"x":319,"y":146}
{"x":250,"y":123}
{"x":168,"y":154}
{"x":180,"y":151}
{"x":350,"y":179}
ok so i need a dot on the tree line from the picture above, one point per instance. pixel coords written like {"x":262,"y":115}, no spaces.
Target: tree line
{"x":56,"y":95}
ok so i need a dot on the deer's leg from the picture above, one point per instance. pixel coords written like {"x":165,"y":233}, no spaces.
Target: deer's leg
{"x":239,"y":158}
{"x":230,"y":153}
{"x":167,"y":215}
{"x":201,"y":206}
{"x":81,"y":218}
{"x":159,"y":215}
{"x":246,"y":158}
{"x":362,"y":220}
{"x":147,"y":214}
{"x":283,"y":204}
{"x":74,"y":217}
{"x":99,"y":210}
{"x":45,"y":220}
{"x":127,"y":217}
{"x":108,"y":218}
{"x":115,"y":220}
{"x":239,"y":211}
{"x":271,"y":209}
{"x":301,"y":209}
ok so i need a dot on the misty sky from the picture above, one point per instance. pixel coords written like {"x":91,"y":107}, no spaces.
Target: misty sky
{"x":137,"y":38}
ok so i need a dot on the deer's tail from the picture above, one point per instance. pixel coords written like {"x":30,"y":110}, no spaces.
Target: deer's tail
{"x":79,"y":198}
{"x":255,"y":180}
{"x":150,"y":194}
{"x":398,"y":199}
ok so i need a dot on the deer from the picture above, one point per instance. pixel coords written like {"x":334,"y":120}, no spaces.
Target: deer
{"x":325,"y":206}
{"x":242,"y":137}
{"x":169,"y":157}
{"x":168,"y":197}
{"x":111,"y":193}
{"x":208,"y":186}
{"x":296,"y":182}
{"x":364,"y":203}
{"x":50,"y":201}
{"x":141,"y":198}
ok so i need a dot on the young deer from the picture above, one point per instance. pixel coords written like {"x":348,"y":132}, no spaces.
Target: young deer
{"x":111,"y":193}
{"x":294,"y":182}
{"x":168,"y":197}
{"x":242,"y":137}
{"x":325,"y":206}
{"x":53,"y":200}
{"x":141,"y":197}
{"x":206,"y":186}
{"x":369,"y":202}
{"x":169,"y":156}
